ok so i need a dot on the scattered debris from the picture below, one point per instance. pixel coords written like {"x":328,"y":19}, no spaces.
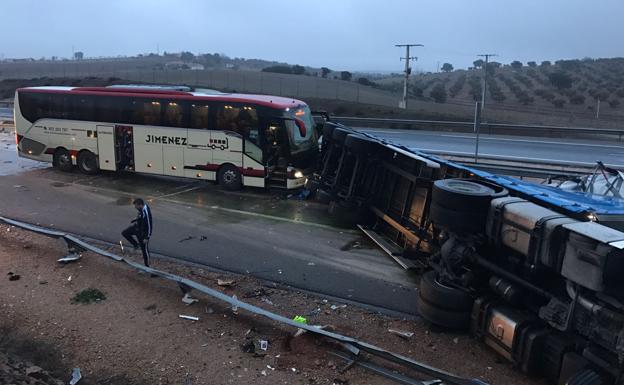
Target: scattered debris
{"x":69,"y":278}
{"x":209,"y":310}
{"x":266,"y":300}
{"x":455,"y":340}
{"x":203,"y":238}
{"x":401,"y":333}
{"x":311,"y":264}
{"x":88,"y":296}
{"x":33,"y":370}
{"x":299,"y":332}
{"x":70,"y":258}
{"x":336,"y":307}
{"x":13,"y":276}
{"x":248,"y":347}
{"x":225,"y":282}
{"x":300,"y":319}
{"x":187,"y":299}
{"x":76,"y":376}
{"x":189,"y":317}
{"x":186,"y":239}
{"x":255,"y":293}
{"x":150,"y":307}
{"x":264,"y":345}
{"x":43,"y":282}
{"x":270,"y":367}
{"x":234,"y":307}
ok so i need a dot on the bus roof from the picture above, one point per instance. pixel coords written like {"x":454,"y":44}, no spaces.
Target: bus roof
{"x":278,"y":102}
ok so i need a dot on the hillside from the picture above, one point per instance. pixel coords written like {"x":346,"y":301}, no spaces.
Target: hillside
{"x":566,"y":87}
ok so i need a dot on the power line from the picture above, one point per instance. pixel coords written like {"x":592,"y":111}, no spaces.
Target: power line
{"x":408,"y":69}
{"x":485,"y":73}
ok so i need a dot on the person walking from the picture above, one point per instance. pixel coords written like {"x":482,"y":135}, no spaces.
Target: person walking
{"x":140,"y":231}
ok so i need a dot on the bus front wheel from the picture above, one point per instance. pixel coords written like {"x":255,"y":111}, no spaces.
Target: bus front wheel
{"x":62,"y":160}
{"x":87,"y":162}
{"x":230,"y":177}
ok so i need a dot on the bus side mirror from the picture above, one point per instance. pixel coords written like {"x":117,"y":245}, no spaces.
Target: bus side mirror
{"x":302,"y":128}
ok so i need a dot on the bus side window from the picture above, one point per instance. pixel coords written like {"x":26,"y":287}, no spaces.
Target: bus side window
{"x":173,"y":114}
{"x":200,"y":114}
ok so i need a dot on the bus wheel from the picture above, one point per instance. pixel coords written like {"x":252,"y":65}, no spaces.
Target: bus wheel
{"x":230,"y":177}
{"x":87,"y":163}
{"x":62,"y":160}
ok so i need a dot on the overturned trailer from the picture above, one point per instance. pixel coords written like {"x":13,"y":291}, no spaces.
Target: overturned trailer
{"x":535,"y":272}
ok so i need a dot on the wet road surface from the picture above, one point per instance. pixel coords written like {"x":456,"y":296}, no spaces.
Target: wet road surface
{"x":541,"y":149}
{"x":251,"y":232}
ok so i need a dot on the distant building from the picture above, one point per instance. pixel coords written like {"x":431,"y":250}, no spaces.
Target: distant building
{"x":78,"y":55}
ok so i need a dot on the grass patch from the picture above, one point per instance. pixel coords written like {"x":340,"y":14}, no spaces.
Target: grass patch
{"x":88,"y":296}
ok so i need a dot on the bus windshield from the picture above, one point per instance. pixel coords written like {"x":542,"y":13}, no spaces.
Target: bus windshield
{"x":300,"y":142}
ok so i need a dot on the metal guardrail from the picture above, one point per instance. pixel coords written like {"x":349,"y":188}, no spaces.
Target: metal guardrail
{"x":353,"y":345}
{"x":487,"y":128}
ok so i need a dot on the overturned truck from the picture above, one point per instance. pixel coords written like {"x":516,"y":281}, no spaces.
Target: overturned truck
{"x":535,"y":272}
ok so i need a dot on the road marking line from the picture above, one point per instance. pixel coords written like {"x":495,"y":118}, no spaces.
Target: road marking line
{"x":177,"y":192}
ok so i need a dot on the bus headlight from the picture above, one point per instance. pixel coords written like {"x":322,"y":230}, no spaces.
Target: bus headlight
{"x":298,"y":174}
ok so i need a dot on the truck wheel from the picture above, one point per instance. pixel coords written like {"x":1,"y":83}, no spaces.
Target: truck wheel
{"x":584,"y":377}
{"x":464,"y":221}
{"x":87,"y":163}
{"x":443,"y":296}
{"x":449,"y":319}
{"x":62,"y":160}
{"x":230,"y":177}
{"x":461,"y":194}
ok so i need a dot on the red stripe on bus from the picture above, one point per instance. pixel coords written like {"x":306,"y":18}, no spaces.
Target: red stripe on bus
{"x":277,"y":102}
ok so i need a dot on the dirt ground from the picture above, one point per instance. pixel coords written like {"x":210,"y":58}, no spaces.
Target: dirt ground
{"x":135,"y":335}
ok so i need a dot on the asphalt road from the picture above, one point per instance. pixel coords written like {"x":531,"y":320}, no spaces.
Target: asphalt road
{"x":517,"y":148}
{"x":253,"y":232}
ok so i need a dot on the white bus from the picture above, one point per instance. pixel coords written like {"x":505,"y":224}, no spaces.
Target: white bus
{"x":235,"y":139}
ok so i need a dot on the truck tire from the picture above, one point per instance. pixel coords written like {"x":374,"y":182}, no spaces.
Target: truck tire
{"x":443,"y":296}
{"x":461,"y":221}
{"x":230,"y":177}
{"x":62,"y":160}
{"x":585,"y":377}
{"x":461,"y":194}
{"x":449,"y":319}
{"x":87,"y":163}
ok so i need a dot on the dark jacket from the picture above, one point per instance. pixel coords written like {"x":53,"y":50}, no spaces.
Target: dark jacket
{"x":144,"y":223}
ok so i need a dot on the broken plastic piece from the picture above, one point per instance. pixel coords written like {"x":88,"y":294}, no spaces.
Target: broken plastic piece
{"x":235,"y":307}
{"x":264,"y":345}
{"x":69,"y":258}
{"x":225,"y":282}
{"x":187,"y":299}
{"x":76,"y":376}
{"x":189,"y":317}
{"x":401,"y":333}
{"x":300,"y":319}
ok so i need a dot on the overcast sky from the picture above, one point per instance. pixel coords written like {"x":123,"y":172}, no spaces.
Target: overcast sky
{"x":340,"y":34}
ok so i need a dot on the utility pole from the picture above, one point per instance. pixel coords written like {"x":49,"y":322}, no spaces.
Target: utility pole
{"x":408,"y":70}
{"x":485,"y":72}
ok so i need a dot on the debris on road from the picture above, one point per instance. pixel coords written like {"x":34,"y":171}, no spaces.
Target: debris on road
{"x":189,"y":317}
{"x":13,"y":276}
{"x":70,"y":258}
{"x":76,"y":376}
{"x":401,"y":333}
{"x":264,"y":345}
{"x":225,"y":282}
{"x":234,"y":307}
{"x":266,"y":300}
{"x":300,"y":319}
{"x":187,"y":299}
{"x":186,"y":239}
{"x":336,"y":307}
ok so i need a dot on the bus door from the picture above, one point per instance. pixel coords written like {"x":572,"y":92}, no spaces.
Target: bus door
{"x":106,"y":147}
{"x":124,"y":147}
{"x":198,"y":162}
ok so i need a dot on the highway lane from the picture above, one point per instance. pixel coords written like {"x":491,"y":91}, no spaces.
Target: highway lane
{"x":252,"y":232}
{"x":542,"y":149}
